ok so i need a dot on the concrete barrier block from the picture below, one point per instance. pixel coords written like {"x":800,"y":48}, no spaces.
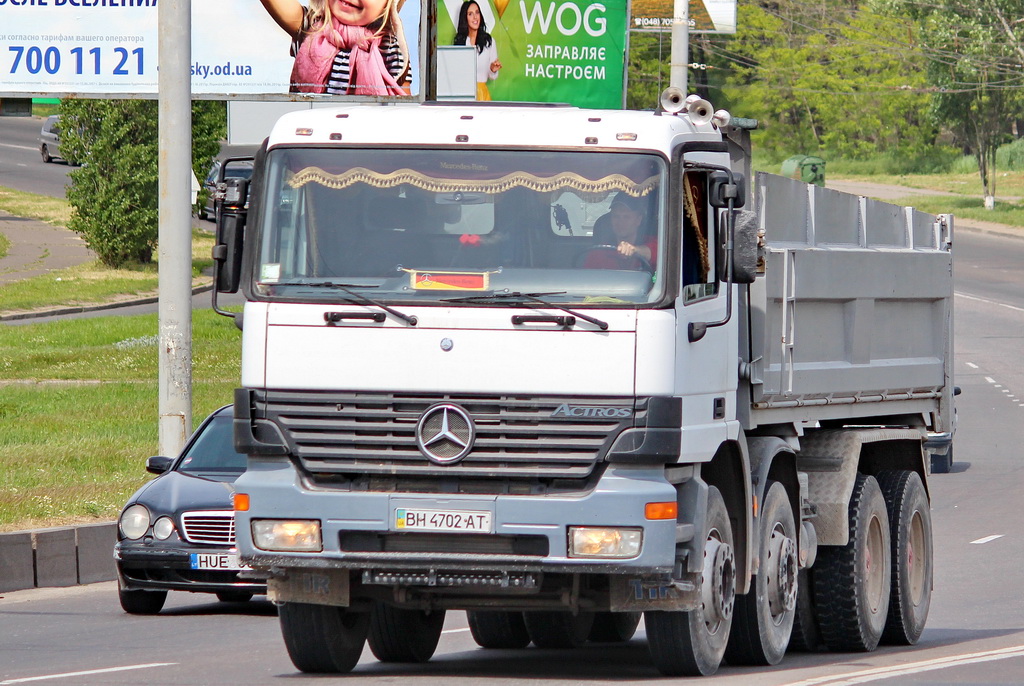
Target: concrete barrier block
{"x":96,"y":552}
{"x":56,"y":557}
{"x":17,"y":569}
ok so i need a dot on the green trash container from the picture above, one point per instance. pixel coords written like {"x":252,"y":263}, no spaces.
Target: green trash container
{"x":807,"y":168}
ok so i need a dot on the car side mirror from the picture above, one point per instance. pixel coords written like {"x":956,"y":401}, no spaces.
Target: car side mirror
{"x":158,"y":464}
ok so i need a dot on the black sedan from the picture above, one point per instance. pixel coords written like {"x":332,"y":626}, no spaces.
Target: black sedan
{"x":177,"y":532}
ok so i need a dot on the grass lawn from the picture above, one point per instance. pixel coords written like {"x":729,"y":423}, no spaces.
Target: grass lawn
{"x":78,"y":403}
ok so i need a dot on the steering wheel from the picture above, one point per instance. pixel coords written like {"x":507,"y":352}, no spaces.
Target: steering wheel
{"x":635,"y":262}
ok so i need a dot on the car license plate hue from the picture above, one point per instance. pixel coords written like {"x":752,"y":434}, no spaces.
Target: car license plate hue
{"x":224,"y":561}
{"x":460,"y":521}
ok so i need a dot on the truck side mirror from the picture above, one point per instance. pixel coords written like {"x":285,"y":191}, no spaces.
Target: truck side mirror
{"x":744,"y":249}
{"x":227,"y":250}
{"x":722,"y":188}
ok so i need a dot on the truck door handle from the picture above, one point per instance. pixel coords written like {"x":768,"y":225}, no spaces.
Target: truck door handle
{"x":333,"y":318}
{"x":566,"y":321}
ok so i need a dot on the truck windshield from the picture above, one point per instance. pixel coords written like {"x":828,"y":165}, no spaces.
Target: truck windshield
{"x":425,"y":226}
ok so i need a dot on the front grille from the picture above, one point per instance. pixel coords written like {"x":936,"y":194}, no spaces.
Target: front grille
{"x":216,"y":528}
{"x":516,"y":436}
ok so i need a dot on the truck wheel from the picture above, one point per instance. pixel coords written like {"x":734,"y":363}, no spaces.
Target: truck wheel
{"x":851,"y":582}
{"x":497,"y":629}
{"x":323,"y":638}
{"x":558,"y":630}
{"x":399,"y":635}
{"x":764,"y":617}
{"x":693,"y":643}
{"x":910,"y":530}
{"x":141,"y":602}
{"x":614,"y":627}
{"x":806,"y":637}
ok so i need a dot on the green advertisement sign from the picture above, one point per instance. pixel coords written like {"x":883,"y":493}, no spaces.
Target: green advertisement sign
{"x":570,"y":51}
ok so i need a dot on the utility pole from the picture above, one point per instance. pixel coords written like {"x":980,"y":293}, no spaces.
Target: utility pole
{"x":679,"y":61}
{"x":175,"y":230}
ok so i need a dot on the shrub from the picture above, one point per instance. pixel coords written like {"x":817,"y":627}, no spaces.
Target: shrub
{"x":115,"y":191}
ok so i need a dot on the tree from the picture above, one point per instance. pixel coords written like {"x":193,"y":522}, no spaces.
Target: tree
{"x":114,"y":193}
{"x":974,"y":63}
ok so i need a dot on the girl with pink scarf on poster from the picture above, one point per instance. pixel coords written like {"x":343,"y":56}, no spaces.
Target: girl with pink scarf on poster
{"x":345,"y":47}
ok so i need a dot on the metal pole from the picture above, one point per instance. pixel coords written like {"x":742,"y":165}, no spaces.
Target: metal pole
{"x":679,"y":62}
{"x":175,"y":230}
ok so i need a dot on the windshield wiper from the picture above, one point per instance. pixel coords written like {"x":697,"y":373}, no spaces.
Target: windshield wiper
{"x":531,"y":297}
{"x":354,"y":297}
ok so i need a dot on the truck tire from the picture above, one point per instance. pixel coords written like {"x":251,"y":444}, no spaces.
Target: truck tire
{"x":693,"y":643}
{"x":399,"y":635}
{"x":764,"y":617}
{"x":498,"y":629}
{"x":558,"y":630}
{"x":806,"y":637}
{"x":141,"y":602}
{"x":851,"y":582}
{"x":614,"y":627}
{"x":910,"y":530}
{"x":323,"y":638}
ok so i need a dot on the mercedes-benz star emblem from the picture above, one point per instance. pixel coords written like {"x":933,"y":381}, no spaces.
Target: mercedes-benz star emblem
{"x":445,"y":433}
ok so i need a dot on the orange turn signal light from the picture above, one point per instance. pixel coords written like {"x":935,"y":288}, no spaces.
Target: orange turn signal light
{"x":241,"y":502}
{"x":661,"y":510}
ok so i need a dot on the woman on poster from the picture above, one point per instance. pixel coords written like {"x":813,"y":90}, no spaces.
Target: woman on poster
{"x":344,"y":47}
{"x":472,"y":30}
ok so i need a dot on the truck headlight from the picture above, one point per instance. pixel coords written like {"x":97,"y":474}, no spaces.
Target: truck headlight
{"x":604,"y":542}
{"x":287,"y":535}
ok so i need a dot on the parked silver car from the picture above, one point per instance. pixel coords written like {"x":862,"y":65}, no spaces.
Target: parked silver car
{"x":49,"y":139}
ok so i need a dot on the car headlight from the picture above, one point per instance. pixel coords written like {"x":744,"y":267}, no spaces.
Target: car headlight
{"x":134,"y":522}
{"x":163,"y":528}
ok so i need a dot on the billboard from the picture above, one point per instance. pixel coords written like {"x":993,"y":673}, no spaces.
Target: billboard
{"x":706,"y":16}
{"x":239,"y":49}
{"x":570,"y":51}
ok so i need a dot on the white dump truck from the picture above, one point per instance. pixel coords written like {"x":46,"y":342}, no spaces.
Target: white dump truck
{"x":566,"y":369}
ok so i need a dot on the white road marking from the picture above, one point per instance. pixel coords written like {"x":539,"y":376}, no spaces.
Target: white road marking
{"x":880,"y":673}
{"x":90,"y":672}
{"x":18,"y":147}
{"x":990,"y":379}
{"x":972,"y":365}
{"x":990,"y":302}
{"x":987,"y":539}
{"x":455,"y":631}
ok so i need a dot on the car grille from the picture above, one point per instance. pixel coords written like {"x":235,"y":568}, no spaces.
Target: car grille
{"x":215,"y":528}
{"x":374,"y":434}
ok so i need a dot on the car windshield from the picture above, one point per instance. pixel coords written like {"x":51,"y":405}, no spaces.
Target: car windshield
{"x":213,"y":450}
{"x":426,"y":226}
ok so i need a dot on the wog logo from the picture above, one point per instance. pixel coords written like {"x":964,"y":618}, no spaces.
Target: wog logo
{"x":592,"y":411}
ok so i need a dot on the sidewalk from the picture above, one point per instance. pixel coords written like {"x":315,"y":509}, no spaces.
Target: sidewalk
{"x":37,"y":248}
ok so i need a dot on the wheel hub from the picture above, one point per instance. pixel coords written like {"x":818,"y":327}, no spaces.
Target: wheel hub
{"x":782,"y":572}
{"x":718,"y":582}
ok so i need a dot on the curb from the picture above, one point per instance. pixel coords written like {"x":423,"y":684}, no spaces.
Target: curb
{"x":93,"y":308}
{"x":59,"y":556}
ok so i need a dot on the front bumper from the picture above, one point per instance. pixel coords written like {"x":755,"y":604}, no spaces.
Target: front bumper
{"x":530,"y":533}
{"x":141,"y":566}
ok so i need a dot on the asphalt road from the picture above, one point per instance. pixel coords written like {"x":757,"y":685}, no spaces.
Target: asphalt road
{"x":975,"y":632}
{"x":21,"y":166}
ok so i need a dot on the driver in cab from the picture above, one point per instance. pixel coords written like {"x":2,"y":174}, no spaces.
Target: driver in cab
{"x":626,"y":220}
